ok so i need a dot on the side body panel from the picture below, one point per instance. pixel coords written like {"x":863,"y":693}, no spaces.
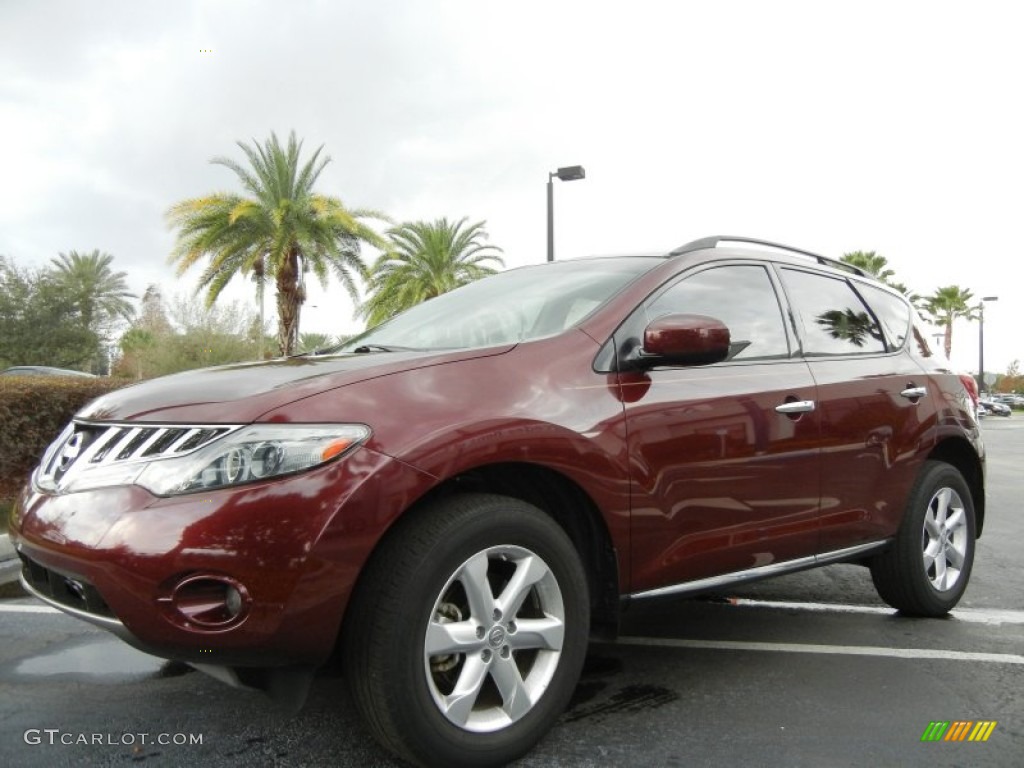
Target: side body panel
{"x":723,"y":482}
{"x":874,"y":441}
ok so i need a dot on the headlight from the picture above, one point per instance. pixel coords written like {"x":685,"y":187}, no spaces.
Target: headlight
{"x":251,"y":454}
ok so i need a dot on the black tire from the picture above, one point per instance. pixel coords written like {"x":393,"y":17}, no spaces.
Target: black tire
{"x":420,"y":580}
{"x":926,"y":569}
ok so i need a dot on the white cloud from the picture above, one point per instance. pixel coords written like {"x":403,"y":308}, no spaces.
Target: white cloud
{"x":879,"y":126}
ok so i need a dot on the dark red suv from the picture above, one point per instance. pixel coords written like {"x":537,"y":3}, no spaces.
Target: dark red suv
{"x":457,"y":499}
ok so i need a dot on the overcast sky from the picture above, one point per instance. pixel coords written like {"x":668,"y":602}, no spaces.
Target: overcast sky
{"x":887,"y":126}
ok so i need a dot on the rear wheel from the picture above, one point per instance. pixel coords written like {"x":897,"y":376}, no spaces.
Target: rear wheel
{"x":466,"y":636}
{"x":926,"y":570}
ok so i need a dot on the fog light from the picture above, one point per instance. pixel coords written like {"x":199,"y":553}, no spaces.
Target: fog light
{"x":210,"y":601}
{"x":233,"y":602}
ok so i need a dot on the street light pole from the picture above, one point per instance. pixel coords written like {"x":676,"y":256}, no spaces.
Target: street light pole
{"x":551,"y":219}
{"x":981,"y":341}
{"x":568,"y":173}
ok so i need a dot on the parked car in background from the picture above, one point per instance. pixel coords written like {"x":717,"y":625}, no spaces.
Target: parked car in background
{"x":996,"y":408}
{"x":456,"y":500}
{"x":42,"y":370}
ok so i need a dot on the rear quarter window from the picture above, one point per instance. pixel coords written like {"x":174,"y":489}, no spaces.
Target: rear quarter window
{"x":892,"y":312}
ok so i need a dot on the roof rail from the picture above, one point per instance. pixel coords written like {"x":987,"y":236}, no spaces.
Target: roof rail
{"x":712,"y":242}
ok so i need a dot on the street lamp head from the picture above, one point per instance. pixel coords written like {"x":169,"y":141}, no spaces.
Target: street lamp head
{"x":990,"y":298}
{"x":570,"y":173}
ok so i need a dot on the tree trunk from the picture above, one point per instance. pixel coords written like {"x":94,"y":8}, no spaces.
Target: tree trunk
{"x":259,"y":291}
{"x":948,"y":340}
{"x":289,"y":303}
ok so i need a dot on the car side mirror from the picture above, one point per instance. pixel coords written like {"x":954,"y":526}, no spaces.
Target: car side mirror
{"x":684,"y":340}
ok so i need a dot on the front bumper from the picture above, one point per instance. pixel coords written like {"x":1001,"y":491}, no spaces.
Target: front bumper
{"x":115,"y":556}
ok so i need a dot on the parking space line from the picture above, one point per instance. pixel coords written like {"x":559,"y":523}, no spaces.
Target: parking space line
{"x":971,"y":615}
{"x":22,"y":608}
{"x":832,"y":650}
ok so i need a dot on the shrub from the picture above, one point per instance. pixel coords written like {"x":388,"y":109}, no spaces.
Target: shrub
{"x":33,"y":411}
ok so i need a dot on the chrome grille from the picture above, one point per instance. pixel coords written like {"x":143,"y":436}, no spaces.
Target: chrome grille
{"x":83,"y":446}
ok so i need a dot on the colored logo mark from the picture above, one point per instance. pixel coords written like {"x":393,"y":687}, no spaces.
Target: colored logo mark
{"x":959,"y":730}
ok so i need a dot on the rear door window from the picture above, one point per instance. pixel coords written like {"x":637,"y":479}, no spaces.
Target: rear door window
{"x":832,"y":318}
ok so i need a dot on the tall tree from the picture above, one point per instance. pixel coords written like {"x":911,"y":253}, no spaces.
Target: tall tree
{"x":153,"y":312}
{"x":311,"y":342}
{"x":424,"y":260}
{"x":1012,"y":381}
{"x":186,"y":334}
{"x":149,"y":335}
{"x":100,"y":295}
{"x":945,"y":306}
{"x":877,"y":265}
{"x":871,"y":262}
{"x":280,"y":231}
{"x":39,"y":321}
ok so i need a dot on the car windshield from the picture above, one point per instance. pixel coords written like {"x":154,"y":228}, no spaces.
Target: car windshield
{"x":505,"y":308}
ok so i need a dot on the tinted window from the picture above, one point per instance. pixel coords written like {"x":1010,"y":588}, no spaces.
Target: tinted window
{"x":891,"y":311}
{"x":924,"y":349}
{"x":742,"y":297}
{"x":832,"y":317}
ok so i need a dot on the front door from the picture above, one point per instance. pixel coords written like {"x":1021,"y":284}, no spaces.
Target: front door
{"x":725,"y":461}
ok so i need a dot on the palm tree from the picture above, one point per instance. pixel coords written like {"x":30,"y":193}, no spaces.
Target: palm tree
{"x":946,"y":305}
{"x":870,"y":262}
{"x":310,"y":342}
{"x":280,"y":231}
{"x":99,"y":293}
{"x":424,"y":260}
{"x":877,"y":265}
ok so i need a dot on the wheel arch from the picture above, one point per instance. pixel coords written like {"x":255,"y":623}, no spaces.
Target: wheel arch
{"x":566,"y":502}
{"x":961,"y":454}
{"x":562,"y":499}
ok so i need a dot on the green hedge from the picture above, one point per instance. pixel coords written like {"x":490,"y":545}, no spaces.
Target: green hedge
{"x":33,"y":411}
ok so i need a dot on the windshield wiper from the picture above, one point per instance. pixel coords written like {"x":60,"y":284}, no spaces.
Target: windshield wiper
{"x":363,"y":349}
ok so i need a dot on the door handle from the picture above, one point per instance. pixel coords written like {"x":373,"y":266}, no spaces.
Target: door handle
{"x":913,"y":393}
{"x":796,"y":406}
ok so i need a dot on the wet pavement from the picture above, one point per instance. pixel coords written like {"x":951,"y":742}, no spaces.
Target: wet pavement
{"x":805,"y":670}
{"x":95,"y":660}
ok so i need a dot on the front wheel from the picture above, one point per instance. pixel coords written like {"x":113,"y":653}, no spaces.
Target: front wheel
{"x":926,"y":569}
{"x":467,"y":633}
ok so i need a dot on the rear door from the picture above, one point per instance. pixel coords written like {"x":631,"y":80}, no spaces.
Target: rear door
{"x":872,"y":401}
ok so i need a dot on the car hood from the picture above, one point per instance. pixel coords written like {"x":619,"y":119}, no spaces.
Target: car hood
{"x":241,"y":393}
